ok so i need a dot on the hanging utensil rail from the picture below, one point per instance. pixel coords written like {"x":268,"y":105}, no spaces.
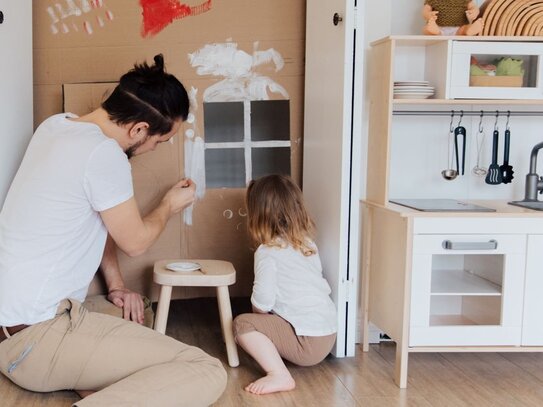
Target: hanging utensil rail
{"x":465,"y":113}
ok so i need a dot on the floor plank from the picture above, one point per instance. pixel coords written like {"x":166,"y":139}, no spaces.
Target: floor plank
{"x":444,"y":380}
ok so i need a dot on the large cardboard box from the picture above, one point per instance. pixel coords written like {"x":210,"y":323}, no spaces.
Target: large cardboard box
{"x":82,"y":47}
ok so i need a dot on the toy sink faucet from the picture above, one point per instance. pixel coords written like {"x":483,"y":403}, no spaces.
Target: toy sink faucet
{"x":534,"y":184}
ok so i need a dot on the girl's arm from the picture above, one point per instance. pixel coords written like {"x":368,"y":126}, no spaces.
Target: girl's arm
{"x":265,"y":284}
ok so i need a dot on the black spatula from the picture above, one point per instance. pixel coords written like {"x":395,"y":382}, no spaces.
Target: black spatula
{"x":505,"y":169}
{"x":494,"y":176}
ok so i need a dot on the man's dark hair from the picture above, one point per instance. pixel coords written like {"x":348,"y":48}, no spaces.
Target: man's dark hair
{"x":148,"y":94}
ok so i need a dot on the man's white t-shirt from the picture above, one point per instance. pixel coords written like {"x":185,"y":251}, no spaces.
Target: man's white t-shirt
{"x":292,"y":286}
{"x":52,"y":237}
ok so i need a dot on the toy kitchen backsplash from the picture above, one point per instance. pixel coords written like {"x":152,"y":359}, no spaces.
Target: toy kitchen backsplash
{"x":469,"y":151}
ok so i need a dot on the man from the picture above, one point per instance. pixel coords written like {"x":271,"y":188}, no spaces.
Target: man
{"x":73,"y":188}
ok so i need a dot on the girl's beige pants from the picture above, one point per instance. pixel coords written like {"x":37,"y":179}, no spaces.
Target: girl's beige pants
{"x":300,"y":350}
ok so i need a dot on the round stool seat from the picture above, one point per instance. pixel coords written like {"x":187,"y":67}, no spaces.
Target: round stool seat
{"x":213,"y":273}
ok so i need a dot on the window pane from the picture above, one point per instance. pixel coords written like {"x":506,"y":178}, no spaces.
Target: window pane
{"x":223,"y":121}
{"x":270,"y":161}
{"x":225,"y":168}
{"x":270,"y":120}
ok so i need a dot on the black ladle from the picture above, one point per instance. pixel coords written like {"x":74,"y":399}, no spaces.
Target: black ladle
{"x":460,"y":131}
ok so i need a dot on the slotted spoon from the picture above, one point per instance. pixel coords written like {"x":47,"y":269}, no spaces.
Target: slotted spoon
{"x":494,"y":176}
{"x":506,"y":170}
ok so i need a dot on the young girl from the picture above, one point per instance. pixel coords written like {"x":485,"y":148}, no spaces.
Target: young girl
{"x":293,"y":316}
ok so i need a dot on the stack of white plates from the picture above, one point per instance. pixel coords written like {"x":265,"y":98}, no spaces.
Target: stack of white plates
{"x":413,"y":90}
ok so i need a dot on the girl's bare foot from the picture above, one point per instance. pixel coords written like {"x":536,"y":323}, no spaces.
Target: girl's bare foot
{"x":272,"y":383}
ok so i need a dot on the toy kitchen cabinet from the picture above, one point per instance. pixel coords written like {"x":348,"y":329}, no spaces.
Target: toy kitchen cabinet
{"x":448,"y":281}
{"x":15,"y":87}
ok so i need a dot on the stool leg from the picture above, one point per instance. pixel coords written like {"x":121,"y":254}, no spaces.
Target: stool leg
{"x":225,"y":312}
{"x":163,"y":308}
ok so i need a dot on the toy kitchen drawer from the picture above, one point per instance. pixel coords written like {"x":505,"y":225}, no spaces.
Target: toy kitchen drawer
{"x":495,"y":70}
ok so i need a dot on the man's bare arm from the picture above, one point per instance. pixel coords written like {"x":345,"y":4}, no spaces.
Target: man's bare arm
{"x":130,"y":302}
{"x":134,"y":234}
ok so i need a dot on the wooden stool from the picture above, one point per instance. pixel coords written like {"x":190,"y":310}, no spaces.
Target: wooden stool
{"x":213,"y":273}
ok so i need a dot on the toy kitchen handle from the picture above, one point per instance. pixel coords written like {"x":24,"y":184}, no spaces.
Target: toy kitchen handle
{"x":450,"y":245}
{"x":337,"y":19}
{"x":1,"y":16}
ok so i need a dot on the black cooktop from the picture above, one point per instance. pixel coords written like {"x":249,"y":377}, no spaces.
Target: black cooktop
{"x":441,"y":205}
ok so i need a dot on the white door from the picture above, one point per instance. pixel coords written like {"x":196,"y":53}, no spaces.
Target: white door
{"x":15,"y":87}
{"x":331,"y":193}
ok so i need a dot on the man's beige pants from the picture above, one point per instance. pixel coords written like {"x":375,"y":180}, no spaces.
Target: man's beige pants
{"x":128,"y":364}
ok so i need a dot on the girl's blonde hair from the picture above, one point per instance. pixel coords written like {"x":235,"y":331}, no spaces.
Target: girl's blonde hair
{"x":277,"y":215}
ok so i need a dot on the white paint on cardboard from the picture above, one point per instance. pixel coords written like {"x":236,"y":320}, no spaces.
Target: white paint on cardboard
{"x":70,"y":8}
{"x":237,"y":67}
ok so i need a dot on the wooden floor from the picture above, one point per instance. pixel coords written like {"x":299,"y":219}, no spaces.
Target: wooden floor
{"x":441,"y":380}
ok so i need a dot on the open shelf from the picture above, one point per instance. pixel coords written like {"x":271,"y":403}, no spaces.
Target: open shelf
{"x":450,"y":320}
{"x":460,"y":282}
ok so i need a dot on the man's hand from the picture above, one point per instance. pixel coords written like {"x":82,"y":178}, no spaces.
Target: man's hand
{"x":180,"y":195}
{"x":130,"y":302}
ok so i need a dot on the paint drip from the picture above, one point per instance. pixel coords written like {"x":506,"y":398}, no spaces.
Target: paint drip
{"x":195,"y":170}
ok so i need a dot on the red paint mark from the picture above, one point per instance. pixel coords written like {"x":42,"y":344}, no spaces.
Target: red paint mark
{"x":158,"y":14}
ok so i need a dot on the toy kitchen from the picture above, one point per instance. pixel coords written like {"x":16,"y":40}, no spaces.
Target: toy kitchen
{"x":452,"y":221}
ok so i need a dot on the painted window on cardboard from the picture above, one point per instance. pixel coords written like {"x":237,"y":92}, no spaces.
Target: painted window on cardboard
{"x":245,"y":140}
{"x":246,"y":134}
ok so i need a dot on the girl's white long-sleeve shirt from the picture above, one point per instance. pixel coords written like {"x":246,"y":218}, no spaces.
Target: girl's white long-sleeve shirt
{"x":292,"y":286}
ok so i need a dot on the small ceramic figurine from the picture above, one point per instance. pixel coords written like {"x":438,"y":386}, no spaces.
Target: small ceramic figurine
{"x":451,"y":17}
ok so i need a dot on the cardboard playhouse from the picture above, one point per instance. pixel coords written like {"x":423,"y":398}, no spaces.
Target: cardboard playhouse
{"x":242,"y":63}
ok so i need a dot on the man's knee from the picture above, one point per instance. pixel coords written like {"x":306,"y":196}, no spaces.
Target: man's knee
{"x":213,"y":374}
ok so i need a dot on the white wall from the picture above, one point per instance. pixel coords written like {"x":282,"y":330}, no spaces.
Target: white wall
{"x":406,"y":17}
{"x":16,"y":122}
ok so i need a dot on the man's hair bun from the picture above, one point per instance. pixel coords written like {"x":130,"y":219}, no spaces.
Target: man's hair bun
{"x":159,"y":62}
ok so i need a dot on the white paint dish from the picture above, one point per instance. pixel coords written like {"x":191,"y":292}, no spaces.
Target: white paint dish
{"x":183,"y":266}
